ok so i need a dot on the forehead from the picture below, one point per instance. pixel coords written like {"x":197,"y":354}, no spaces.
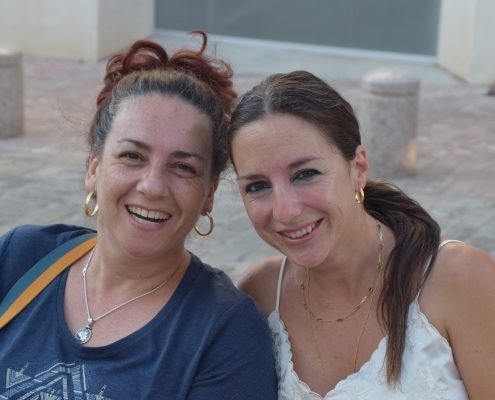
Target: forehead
{"x":282,"y":130}
{"x":279,"y":139}
{"x":155,"y":116}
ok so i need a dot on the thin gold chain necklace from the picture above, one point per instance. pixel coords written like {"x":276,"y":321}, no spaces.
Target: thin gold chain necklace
{"x":307,"y":306}
{"x":84,"y":334}
{"x":312,"y":317}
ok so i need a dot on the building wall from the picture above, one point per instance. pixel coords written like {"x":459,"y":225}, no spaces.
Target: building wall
{"x":93,"y":29}
{"x":121,"y":22}
{"x":467,"y":32}
{"x":75,"y":29}
{"x":402,"y":26}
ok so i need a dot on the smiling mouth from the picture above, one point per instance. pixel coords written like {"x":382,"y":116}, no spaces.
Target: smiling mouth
{"x":301,"y":232}
{"x":147,"y":216}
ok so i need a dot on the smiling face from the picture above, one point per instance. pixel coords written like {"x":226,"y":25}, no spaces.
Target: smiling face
{"x":297,"y":189}
{"x":153,"y":176}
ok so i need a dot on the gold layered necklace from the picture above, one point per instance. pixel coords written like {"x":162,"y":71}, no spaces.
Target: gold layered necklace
{"x":307,"y":306}
{"x":370,"y":294}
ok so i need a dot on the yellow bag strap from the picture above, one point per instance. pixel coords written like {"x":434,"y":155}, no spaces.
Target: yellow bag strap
{"x":39,"y":276}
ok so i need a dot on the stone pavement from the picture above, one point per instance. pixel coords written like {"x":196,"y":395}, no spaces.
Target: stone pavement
{"x":42,"y":172}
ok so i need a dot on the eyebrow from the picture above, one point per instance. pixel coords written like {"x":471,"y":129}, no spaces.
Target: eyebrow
{"x":303,"y":161}
{"x":136,"y":143}
{"x":177,"y":153}
{"x":187,"y":154}
{"x":292,"y":165}
{"x":250,"y":177}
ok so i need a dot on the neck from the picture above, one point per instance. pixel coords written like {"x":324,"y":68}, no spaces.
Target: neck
{"x":352,"y":270}
{"x":133,"y":275}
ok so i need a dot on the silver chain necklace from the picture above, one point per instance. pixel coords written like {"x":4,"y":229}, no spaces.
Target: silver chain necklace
{"x":84,"y":334}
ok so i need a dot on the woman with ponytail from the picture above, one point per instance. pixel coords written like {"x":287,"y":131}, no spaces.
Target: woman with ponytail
{"x":135,"y":315}
{"x":366,"y":300}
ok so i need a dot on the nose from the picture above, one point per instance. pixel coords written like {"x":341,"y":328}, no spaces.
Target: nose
{"x":286,"y":205}
{"x":153,"y":183}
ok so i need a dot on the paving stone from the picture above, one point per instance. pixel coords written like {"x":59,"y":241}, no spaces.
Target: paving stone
{"x":42,"y":171}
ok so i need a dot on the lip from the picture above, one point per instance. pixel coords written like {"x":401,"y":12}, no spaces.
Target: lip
{"x":300,"y":234}
{"x":147,"y":218}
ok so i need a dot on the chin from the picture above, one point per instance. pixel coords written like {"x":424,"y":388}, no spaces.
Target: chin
{"x":306,"y":260}
{"x":137,"y":249}
{"x":304,"y":263}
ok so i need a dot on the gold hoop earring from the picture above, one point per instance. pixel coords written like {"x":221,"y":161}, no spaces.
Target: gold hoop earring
{"x":359,"y":196}
{"x":210,"y":219}
{"x":87,"y":210}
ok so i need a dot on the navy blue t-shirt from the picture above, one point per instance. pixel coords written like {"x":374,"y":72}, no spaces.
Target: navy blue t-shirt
{"x":209,"y":341}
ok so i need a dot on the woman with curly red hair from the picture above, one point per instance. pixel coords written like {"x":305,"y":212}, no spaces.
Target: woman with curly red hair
{"x":136,"y":315}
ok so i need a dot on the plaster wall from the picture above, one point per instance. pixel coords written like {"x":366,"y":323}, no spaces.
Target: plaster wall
{"x":121,"y":22}
{"x":465,"y":40}
{"x":76,"y":29}
{"x":482,"y":66}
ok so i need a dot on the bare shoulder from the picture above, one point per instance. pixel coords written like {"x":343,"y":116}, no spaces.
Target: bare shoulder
{"x":464,"y":268}
{"x":460,"y":269}
{"x":260,"y":282}
{"x":462,"y":286}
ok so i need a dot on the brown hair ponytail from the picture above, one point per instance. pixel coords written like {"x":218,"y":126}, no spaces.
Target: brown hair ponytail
{"x":417,"y":238}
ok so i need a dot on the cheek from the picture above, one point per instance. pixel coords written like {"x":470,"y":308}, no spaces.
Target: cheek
{"x":258,"y":212}
{"x":190,"y":193}
{"x":339,"y":204}
{"x":115,"y":176}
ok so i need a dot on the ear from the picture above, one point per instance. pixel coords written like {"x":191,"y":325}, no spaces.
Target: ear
{"x":90,"y":179}
{"x":359,"y":167}
{"x":208,"y":206}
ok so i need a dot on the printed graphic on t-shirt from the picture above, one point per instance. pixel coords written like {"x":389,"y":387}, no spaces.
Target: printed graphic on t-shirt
{"x":58,"y":382}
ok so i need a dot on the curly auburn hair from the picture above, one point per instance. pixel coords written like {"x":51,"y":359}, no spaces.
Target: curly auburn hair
{"x":202,"y":81}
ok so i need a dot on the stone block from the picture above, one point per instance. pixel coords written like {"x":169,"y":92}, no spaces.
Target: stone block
{"x":388,"y":117}
{"x":86,"y":30}
{"x":11,"y":92}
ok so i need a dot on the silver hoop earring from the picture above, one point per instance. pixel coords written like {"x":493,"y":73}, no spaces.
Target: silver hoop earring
{"x":87,"y":210}
{"x":210,"y":219}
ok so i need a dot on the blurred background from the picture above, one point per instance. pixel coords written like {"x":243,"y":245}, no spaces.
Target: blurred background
{"x":58,"y":51}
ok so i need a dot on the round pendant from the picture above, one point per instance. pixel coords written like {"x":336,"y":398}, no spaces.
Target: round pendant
{"x":83,"y":335}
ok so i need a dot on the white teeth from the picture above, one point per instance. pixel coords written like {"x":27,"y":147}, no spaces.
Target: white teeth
{"x":144,"y":221}
{"x":147,"y":217}
{"x":301,"y":232}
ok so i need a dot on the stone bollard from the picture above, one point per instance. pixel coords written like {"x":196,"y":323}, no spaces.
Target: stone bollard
{"x":11,"y":92}
{"x":388,"y":118}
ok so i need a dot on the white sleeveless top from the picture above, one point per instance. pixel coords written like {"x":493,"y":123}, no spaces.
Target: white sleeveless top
{"x":428,"y":368}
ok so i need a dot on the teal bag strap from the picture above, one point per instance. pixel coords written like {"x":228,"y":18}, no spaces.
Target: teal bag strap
{"x":41,"y":274}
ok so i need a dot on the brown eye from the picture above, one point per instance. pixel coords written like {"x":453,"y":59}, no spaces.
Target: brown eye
{"x":130,"y":155}
{"x":305,"y":175}
{"x":185,"y":168}
{"x":256,"y":187}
